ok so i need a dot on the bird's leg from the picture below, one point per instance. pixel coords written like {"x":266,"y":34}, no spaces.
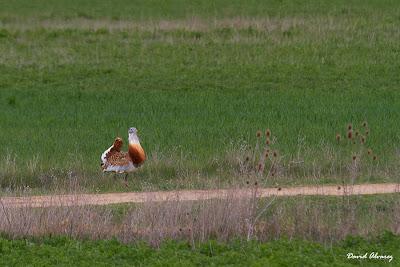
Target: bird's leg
{"x":126,"y":179}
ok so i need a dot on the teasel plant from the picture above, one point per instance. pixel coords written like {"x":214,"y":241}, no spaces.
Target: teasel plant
{"x":357,"y":145}
{"x":264,"y":158}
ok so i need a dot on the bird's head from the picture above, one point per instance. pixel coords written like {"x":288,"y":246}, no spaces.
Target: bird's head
{"x":132,"y":130}
{"x":117,"y":144}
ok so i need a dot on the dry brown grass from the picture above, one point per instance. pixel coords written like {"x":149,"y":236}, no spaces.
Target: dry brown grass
{"x":192,"y":24}
{"x":319,"y":219}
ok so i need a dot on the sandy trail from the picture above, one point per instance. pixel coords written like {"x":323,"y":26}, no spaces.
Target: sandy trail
{"x":191,"y":195}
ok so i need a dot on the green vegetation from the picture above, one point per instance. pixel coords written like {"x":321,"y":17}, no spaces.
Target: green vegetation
{"x":67,"y":252}
{"x":197,"y":78}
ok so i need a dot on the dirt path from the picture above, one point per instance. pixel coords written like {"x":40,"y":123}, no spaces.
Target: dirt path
{"x":190,"y":195}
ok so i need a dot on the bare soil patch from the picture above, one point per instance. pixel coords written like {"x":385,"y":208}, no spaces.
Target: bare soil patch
{"x":193,"y":195}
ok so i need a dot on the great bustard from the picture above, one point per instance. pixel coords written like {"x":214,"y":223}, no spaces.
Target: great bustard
{"x":115,"y":160}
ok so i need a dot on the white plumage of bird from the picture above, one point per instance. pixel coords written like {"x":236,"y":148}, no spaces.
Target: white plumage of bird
{"x":114,"y":160}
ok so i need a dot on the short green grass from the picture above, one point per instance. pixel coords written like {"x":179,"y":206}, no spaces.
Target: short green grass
{"x":181,"y":9}
{"x":197,"y":78}
{"x":59,"y":251}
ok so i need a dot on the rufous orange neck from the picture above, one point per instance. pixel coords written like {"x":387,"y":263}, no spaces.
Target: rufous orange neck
{"x":136,"y":153}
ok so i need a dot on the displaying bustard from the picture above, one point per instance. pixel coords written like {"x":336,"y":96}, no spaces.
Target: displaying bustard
{"x":115,"y":160}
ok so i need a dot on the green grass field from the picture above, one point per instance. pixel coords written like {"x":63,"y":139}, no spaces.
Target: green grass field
{"x":67,"y":252}
{"x":198,"y":79}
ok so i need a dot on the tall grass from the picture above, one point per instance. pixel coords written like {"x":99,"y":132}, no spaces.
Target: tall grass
{"x":351,"y":160}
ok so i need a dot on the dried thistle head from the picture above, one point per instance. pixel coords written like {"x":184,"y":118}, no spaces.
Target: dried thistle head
{"x":356,"y":133}
{"x":362,"y":140}
{"x":349,"y":126}
{"x":275,"y":154}
{"x":365,"y":124}
{"x":369,"y":151}
{"x":268,"y":141}
{"x":268,"y":133}
{"x":258,"y":134}
{"x":266,"y":154}
{"x":247,"y":158}
{"x":338,"y":137}
{"x":375,"y":157}
{"x":367,"y":132}
{"x":354,"y":157}
{"x":350,"y":134}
